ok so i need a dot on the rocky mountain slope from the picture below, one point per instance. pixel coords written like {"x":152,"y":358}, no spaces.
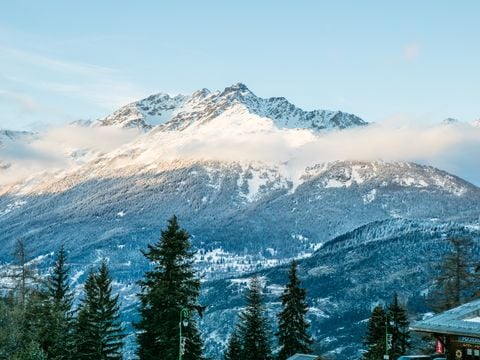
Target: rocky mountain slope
{"x":180,"y":111}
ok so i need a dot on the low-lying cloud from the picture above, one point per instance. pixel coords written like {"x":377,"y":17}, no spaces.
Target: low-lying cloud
{"x":454,"y":147}
{"x":451,"y":147}
{"x":57,"y":149}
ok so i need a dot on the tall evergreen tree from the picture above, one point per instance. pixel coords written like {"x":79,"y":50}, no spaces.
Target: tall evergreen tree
{"x":234,"y":349}
{"x":398,"y":328}
{"x":292,"y":333}
{"x":99,"y":332}
{"x":375,"y":339}
{"x":58,"y":287}
{"x":56,"y":330}
{"x":253,"y":328}
{"x":170,"y":286}
{"x":457,"y":280}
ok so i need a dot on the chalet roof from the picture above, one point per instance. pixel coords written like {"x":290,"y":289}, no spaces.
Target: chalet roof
{"x":303,"y":357}
{"x":463,"y":320}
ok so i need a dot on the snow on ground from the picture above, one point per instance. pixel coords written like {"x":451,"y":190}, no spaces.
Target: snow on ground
{"x":370,"y":196}
{"x":475,"y":319}
{"x":12,"y":206}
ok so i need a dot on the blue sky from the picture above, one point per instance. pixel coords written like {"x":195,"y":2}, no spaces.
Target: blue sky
{"x":412,"y":61}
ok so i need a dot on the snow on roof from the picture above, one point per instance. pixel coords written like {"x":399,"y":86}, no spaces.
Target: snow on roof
{"x":462,"y":320}
{"x":303,"y":357}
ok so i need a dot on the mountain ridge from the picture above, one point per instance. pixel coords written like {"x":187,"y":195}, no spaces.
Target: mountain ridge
{"x":181,"y":111}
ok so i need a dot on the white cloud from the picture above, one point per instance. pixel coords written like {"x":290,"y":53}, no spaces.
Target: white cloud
{"x":453,"y":147}
{"x":57,"y":149}
{"x":450,"y":147}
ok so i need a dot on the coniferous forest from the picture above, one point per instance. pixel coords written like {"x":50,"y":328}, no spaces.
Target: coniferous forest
{"x":40,"y":318}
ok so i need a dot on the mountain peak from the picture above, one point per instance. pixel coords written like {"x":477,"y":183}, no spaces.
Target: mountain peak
{"x":201,"y":93}
{"x":180,"y":112}
{"x":238,"y":89}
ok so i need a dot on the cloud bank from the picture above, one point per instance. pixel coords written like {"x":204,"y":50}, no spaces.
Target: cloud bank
{"x":451,"y":147}
{"x":57,"y":149}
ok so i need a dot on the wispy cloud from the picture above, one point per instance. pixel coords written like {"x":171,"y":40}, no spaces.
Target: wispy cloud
{"x":104,"y":92}
{"x":55,"y":64}
{"x":412,"y":51}
{"x":57,"y":149}
{"x":102,"y":87}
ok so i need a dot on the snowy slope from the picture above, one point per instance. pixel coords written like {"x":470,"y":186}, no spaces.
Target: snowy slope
{"x":153,"y":110}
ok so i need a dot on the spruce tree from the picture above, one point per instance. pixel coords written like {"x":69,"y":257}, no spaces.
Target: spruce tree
{"x":58,"y":287}
{"x":292,"y":333}
{"x":56,"y":337}
{"x":84,"y":333}
{"x":376,"y":337}
{"x":398,"y":328}
{"x":457,"y":281}
{"x":99,"y":333}
{"x":253,"y":327}
{"x":234,"y":348}
{"x":170,"y":286}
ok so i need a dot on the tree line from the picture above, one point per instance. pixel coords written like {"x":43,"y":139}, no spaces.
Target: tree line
{"x":40,"y":320}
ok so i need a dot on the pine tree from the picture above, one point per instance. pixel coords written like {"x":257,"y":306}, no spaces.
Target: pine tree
{"x":56,"y":333}
{"x":234,"y":347}
{"x":293,"y":328}
{"x":457,"y":280}
{"x":398,"y":328}
{"x":375,"y":339}
{"x":253,"y":327}
{"x":170,"y":286}
{"x":99,"y":332}
{"x":85,"y":332}
{"x":58,"y":287}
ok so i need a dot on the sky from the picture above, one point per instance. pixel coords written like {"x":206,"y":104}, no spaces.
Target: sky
{"x":407,"y":61}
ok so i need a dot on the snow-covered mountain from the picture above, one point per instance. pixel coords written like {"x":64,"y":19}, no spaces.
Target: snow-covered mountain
{"x":226,"y":164}
{"x":180,"y":111}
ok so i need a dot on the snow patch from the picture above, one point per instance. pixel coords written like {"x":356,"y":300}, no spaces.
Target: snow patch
{"x":370,"y":196}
